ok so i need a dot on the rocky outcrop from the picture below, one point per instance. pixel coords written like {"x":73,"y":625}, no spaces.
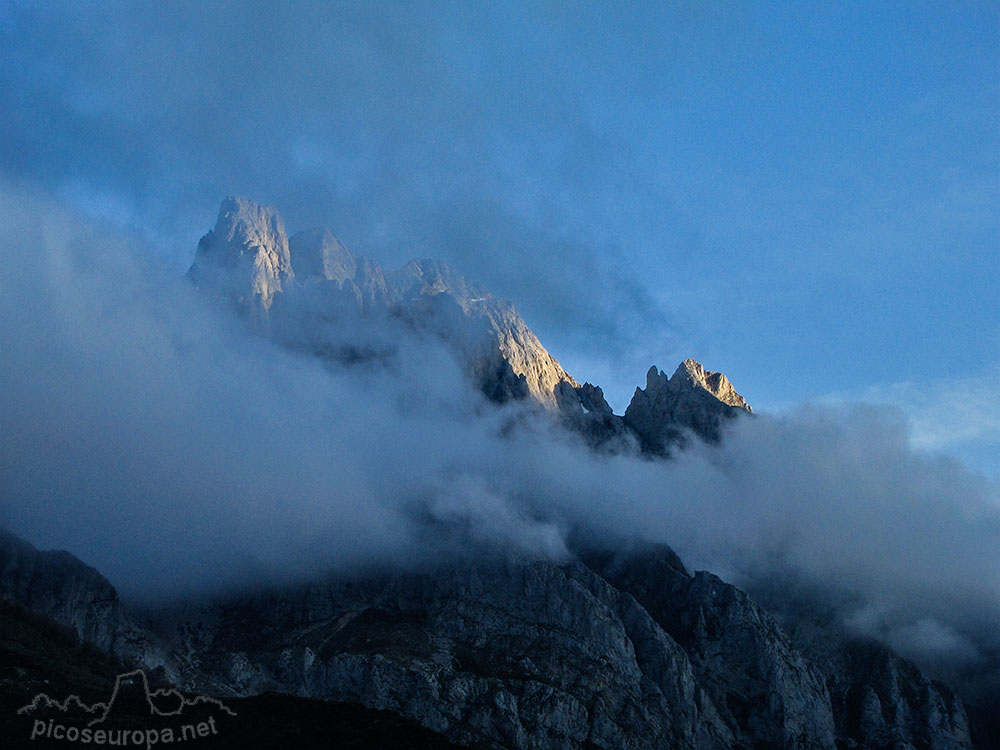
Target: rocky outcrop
{"x":299,"y":285}
{"x":246,"y":257}
{"x":498,"y":655}
{"x":880,"y":700}
{"x":584,"y":410}
{"x":767,"y":694}
{"x":318,"y":255}
{"x":623,"y":650}
{"x":58,"y":585}
{"x":628,"y":651}
{"x":311,"y":292}
{"x":43,"y":663}
{"x":693,"y":376}
{"x":691,"y":401}
{"x":525,"y":353}
{"x":492,"y":328}
{"x":331,"y":280}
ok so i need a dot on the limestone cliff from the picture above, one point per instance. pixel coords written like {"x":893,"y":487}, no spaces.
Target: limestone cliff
{"x":245,"y":256}
{"x":296,"y":284}
{"x":623,"y":649}
{"x":691,"y":400}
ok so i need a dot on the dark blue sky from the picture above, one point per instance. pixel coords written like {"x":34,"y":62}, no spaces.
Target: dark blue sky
{"x":805,"y":196}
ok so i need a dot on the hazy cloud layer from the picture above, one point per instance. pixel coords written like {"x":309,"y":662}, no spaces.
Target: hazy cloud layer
{"x":956,"y":414}
{"x":761,"y":188}
{"x":161,"y":442}
{"x":406,"y":130}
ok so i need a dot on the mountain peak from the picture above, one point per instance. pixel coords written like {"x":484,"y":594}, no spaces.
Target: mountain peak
{"x":243,"y":219}
{"x":690,"y":373}
{"x":247,"y":250}
{"x":318,"y":253}
{"x":247,"y":259}
{"x":693,"y":399}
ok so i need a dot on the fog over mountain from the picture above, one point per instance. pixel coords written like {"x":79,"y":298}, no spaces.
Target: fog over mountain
{"x":156,"y":436}
{"x":551,"y":376}
{"x":819,"y":183}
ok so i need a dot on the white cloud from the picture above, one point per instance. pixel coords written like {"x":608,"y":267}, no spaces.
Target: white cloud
{"x":958,"y":415}
{"x":156,"y":439}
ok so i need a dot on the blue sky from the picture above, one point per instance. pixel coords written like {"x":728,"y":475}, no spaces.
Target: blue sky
{"x":805,"y":196}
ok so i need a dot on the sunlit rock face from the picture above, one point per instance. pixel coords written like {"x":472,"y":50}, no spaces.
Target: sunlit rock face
{"x":245,"y":257}
{"x":494,"y":328}
{"x":691,"y":375}
{"x":298,"y":285}
{"x":691,"y":400}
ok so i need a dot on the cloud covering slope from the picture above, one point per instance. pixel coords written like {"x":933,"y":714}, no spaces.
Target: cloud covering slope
{"x":161,"y":441}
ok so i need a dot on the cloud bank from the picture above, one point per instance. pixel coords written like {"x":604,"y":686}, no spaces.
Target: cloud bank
{"x":955,"y":414}
{"x":409,"y":139}
{"x":168,"y":446}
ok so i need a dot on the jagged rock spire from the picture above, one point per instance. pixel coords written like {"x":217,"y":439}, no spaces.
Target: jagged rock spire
{"x":692,"y":399}
{"x":246,"y":256}
{"x":716,"y":383}
{"x":248,"y":260}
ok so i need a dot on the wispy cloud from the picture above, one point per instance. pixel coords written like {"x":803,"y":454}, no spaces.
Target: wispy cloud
{"x":959,"y":415}
{"x":157,"y":439}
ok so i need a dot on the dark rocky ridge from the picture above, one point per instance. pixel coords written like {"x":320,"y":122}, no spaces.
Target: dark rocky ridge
{"x":620,"y":650}
{"x":39,"y":655}
{"x":877,"y":699}
{"x":768,"y":693}
{"x":868,"y":682}
{"x":58,"y":585}
{"x":614,"y":649}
